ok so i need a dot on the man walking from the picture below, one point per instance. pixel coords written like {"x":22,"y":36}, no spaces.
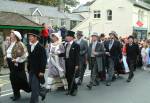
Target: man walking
{"x":36,"y":66}
{"x":132,"y":52}
{"x":72,"y":62}
{"x":83,"y":55}
{"x":95,"y":54}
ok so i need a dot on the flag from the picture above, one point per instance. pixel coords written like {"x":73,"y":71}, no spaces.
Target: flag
{"x":139,"y":23}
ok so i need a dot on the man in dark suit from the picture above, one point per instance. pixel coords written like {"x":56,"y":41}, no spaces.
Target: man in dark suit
{"x":36,"y":66}
{"x":72,"y":62}
{"x":95,"y":59}
{"x":83,"y":55}
{"x":133,"y":51}
{"x":113,"y":56}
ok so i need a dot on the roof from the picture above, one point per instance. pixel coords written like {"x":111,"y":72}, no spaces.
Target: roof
{"x":28,"y":8}
{"x":85,"y":7}
{"x":141,"y":4}
{"x":14,"y":19}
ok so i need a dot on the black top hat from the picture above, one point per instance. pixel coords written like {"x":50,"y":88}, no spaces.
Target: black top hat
{"x":131,"y":37}
{"x":34,"y":33}
{"x":70,"y":33}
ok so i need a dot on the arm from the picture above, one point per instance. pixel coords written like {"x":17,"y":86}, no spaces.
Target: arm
{"x":85,"y":48}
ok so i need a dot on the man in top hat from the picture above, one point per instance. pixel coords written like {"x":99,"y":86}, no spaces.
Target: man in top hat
{"x":36,"y":66}
{"x":113,"y":56}
{"x":72,"y":62}
{"x":133,"y":51}
{"x":95,"y":54}
{"x":83,"y":55}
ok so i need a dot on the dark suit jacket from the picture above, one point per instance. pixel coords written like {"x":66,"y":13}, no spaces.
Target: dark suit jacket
{"x":132,"y":51}
{"x":74,"y":54}
{"x":37,"y":59}
{"x":115,"y":51}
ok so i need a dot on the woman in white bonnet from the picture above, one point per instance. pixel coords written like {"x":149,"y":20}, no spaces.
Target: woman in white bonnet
{"x":56,"y":64}
{"x":16,"y":55}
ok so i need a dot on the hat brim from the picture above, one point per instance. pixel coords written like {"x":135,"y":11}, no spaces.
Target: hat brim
{"x":34,"y":35}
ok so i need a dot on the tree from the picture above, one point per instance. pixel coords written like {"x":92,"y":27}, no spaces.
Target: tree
{"x":147,"y":1}
{"x":54,"y":3}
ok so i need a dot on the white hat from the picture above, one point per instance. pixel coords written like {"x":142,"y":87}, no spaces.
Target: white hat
{"x":58,"y":36}
{"x":94,"y":34}
{"x":18,"y":35}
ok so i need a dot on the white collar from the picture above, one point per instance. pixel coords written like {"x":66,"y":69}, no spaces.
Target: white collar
{"x":34,"y":44}
{"x":71,"y":42}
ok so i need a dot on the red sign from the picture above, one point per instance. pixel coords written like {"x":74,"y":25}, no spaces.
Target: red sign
{"x":139,"y":23}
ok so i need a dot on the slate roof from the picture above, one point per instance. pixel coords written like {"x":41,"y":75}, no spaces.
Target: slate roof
{"x":27,"y":9}
{"x":14,"y":19}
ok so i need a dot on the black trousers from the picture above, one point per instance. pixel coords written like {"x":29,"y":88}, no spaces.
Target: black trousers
{"x":70,"y":75}
{"x":18,"y":77}
{"x":132,"y":64}
{"x":45,"y":40}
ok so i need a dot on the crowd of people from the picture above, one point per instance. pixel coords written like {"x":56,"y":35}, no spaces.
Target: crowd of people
{"x":67,"y":58}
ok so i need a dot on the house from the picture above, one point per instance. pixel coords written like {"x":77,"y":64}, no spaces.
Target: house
{"x":41,"y":14}
{"x":126,"y":17}
{"x":9,"y":21}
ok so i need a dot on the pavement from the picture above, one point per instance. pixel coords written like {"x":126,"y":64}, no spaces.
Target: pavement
{"x":119,"y":92}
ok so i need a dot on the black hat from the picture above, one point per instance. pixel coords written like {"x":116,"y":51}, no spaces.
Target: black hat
{"x":34,"y":33}
{"x":70,"y":33}
{"x":80,"y":33}
{"x":131,"y":37}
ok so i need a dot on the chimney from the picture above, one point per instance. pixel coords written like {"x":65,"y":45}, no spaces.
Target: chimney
{"x":61,"y":6}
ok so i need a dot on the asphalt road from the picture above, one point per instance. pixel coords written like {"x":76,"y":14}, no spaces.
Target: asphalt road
{"x":138,"y":91}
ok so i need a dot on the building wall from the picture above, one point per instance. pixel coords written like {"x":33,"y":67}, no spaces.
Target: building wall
{"x":122,"y":16}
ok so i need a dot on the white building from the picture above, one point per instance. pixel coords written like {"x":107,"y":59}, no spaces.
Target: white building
{"x":126,"y":17}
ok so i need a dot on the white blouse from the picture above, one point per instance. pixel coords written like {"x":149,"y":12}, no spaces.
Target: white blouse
{"x":9,"y":50}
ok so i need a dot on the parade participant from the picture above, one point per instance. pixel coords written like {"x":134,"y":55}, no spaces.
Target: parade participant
{"x":45,"y":35}
{"x":95,"y":57}
{"x":131,"y":57}
{"x":36,"y":66}
{"x":56,"y":64}
{"x":72,"y":62}
{"x":16,"y":55}
{"x":113,"y":56}
{"x":83,"y":55}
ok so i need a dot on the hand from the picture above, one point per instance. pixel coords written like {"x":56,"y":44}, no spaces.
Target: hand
{"x":14,"y":60}
{"x":76,"y":68}
{"x":120,"y":61}
{"x":107,"y":53}
{"x":95,"y":53}
{"x":41,"y":74}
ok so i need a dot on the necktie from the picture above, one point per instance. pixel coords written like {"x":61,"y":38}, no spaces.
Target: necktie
{"x":68,"y":50}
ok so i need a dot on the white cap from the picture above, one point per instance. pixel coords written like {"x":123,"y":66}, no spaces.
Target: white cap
{"x":58,"y":36}
{"x":18,"y":35}
{"x":94,"y":34}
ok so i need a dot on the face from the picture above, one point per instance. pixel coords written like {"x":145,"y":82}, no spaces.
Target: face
{"x":69,"y":38}
{"x":130,"y":40}
{"x":111,"y":36}
{"x":94,"y":38}
{"x":79,"y":36}
{"x":13,"y":37}
{"x":54,"y":38}
{"x":32,"y":39}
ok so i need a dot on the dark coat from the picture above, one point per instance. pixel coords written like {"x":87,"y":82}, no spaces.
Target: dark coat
{"x":37,"y":60}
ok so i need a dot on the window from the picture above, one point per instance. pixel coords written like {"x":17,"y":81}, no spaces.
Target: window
{"x":140,"y":15}
{"x":97,"y":14}
{"x":63,"y":22}
{"x":109,"y":15}
{"x":51,"y":21}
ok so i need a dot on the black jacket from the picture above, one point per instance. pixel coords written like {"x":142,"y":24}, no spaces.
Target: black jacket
{"x":37,"y":59}
{"x":132,"y":51}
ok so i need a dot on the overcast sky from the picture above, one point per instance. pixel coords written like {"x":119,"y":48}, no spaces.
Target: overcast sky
{"x":83,"y":1}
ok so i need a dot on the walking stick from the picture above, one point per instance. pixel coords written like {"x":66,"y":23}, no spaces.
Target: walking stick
{"x":73,"y":80}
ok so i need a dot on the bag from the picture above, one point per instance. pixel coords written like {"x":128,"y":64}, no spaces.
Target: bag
{"x":126,"y":67}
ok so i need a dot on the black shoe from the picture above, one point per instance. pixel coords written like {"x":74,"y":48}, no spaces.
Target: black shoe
{"x":128,"y":80}
{"x":74,"y":93}
{"x":108,"y":84}
{"x":89,"y":86}
{"x":15,"y":98}
{"x":43,"y":93}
